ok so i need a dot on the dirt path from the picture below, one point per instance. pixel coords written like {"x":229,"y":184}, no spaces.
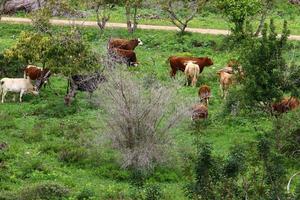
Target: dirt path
{"x":123,"y":25}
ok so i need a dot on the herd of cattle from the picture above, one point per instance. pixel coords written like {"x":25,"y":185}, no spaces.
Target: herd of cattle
{"x":122,"y":51}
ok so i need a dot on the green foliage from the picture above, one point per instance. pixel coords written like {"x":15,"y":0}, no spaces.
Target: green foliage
{"x":41,"y":20}
{"x":86,"y":194}
{"x":264,"y":65}
{"x":239,"y":12}
{"x":44,"y":191}
{"x":69,"y":54}
{"x":30,"y":48}
{"x":153,"y":192}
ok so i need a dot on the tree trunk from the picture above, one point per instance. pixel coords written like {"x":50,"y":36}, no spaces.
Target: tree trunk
{"x":12,"y":6}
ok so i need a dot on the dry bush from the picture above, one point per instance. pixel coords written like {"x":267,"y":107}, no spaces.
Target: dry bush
{"x":139,"y":119}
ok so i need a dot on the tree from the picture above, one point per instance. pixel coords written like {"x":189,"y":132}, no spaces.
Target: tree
{"x":102,"y":9}
{"x":239,"y":12}
{"x":30,"y":48}
{"x":266,"y":70}
{"x":69,"y":54}
{"x":181,"y":12}
{"x":131,"y":8}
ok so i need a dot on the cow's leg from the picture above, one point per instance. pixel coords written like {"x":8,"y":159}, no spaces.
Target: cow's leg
{"x":3,"y":96}
{"x":21,"y":94}
{"x":173,"y":73}
{"x":14,"y":98}
{"x":221,"y":90}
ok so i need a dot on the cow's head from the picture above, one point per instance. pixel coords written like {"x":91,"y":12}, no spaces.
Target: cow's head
{"x":208,"y":61}
{"x":34,"y":91}
{"x":140,"y":42}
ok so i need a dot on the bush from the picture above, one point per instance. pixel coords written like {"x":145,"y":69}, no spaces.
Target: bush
{"x":86,"y":194}
{"x":45,"y":191}
{"x":153,"y":192}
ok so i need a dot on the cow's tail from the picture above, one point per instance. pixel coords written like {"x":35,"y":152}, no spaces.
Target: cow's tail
{"x":1,"y":86}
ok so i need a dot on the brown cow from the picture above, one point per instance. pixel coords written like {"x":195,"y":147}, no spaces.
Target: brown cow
{"x":37,"y":74}
{"x":226,"y":80}
{"x":204,"y":93}
{"x":286,"y":105}
{"x":200,"y":111}
{"x":124,"y":44}
{"x":179,"y":63}
{"x":122,"y":55}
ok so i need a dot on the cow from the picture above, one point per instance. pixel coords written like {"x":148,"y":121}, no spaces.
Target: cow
{"x":121,"y":56}
{"x":192,"y":72}
{"x":204,"y":94}
{"x":124,"y":44}
{"x":179,"y":63}
{"x":200,"y":111}
{"x":234,"y":67}
{"x":226,"y":80}
{"x":16,"y":85}
{"x":286,"y":105}
{"x":38,"y":74}
{"x":84,"y":83}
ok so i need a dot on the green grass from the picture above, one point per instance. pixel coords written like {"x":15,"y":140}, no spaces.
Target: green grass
{"x":50,"y":142}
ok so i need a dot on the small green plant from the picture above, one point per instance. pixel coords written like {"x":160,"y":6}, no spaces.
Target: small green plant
{"x":153,"y":192}
{"x":86,"y":194}
{"x":45,"y":191}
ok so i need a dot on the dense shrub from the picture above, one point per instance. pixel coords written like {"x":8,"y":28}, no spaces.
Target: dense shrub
{"x":86,"y":194}
{"x":153,"y":192}
{"x":45,"y":191}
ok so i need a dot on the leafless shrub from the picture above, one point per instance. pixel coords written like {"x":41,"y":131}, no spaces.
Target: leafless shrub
{"x":139,"y":120}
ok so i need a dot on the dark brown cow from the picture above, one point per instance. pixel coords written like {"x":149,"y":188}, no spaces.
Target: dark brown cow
{"x":122,"y":55}
{"x":179,"y":63}
{"x":200,"y":111}
{"x":286,"y":105}
{"x":204,"y":93}
{"x":124,"y":44}
{"x":37,"y":74}
{"x":84,"y":83}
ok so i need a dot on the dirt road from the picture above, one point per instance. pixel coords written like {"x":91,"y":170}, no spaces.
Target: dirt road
{"x":123,"y":25}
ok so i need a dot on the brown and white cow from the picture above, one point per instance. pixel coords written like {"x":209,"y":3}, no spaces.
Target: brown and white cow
{"x":122,"y":55}
{"x":200,"y":111}
{"x":124,"y":44}
{"x":192,"y":72}
{"x":226,"y":80}
{"x":179,"y":63}
{"x":38,"y":74}
{"x":16,"y":85}
{"x":204,"y":94}
{"x":286,"y":105}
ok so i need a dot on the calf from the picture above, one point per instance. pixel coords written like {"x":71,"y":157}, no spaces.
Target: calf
{"x":204,"y":93}
{"x":192,"y":71}
{"x":84,"y":83}
{"x":286,"y":105}
{"x":16,"y":85}
{"x":200,"y":111}
{"x":226,"y":80}
{"x":124,"y":44}
{"x":179,"y":63}
{"x":121,"y":56}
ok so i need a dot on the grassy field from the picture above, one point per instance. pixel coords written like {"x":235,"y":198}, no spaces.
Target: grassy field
{"x":50,"y":142}
{"x":209,"y":17}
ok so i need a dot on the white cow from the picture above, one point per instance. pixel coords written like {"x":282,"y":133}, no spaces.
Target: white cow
{"x":192,"y":72}
{"x":16,"y":85}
